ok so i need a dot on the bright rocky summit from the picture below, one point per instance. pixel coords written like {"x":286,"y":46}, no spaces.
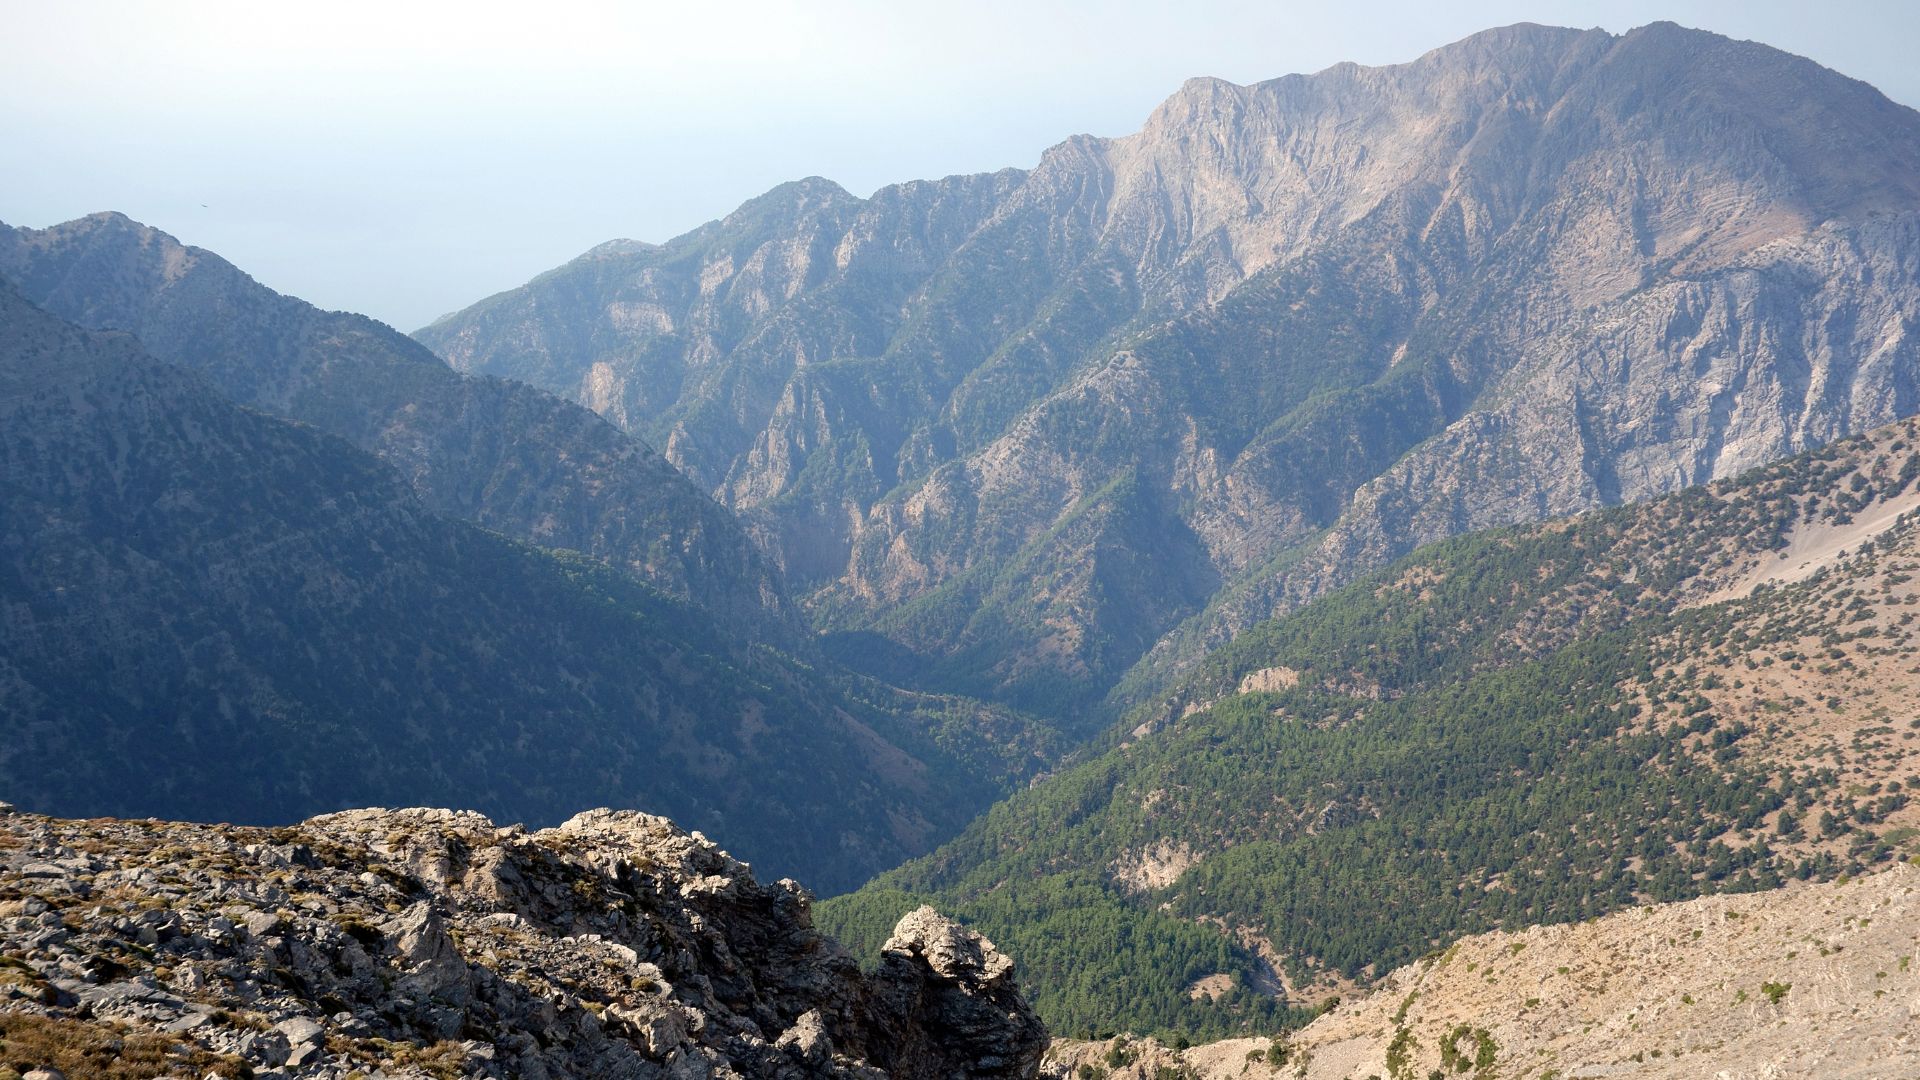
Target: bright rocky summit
{"x":433,"y":943}
{"x":1048,"y":430}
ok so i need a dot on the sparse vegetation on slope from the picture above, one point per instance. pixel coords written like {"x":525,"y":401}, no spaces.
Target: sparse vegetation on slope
{"x":1707,"y":987}
{"x":1518,"y":727}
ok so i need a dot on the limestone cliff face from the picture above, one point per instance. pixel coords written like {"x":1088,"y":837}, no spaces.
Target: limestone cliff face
{"x":499,"y":454}
{"x":1300,"y":326}
{"x":430,"y":943}
{"x":1691,"y":379}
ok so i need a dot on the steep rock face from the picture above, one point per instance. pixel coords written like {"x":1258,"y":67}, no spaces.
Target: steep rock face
{"x":499,"y":454}
{"x":209,"y":612}
{"x":429,"y":943}
{"x":1700,"y":378}
{"x":1305,"y":325}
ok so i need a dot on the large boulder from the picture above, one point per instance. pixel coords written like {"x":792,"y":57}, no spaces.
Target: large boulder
{"x":949,"y":1006}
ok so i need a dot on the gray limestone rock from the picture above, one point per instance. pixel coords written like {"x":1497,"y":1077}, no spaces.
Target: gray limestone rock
{"x":300,"y":1031}
{"x":615,"y":945}
{"x":426,"y":952}
{"x":1038,"y":425}
{"x":951,"y":1003}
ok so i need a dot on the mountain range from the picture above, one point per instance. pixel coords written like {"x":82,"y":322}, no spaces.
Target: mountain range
{"x":1228,"y":564}
{"x":1049,"y":435}
{"x":496,"y":453}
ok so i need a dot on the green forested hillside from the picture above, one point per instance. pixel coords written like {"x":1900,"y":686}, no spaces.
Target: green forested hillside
{"x":215,"y":614}
{"x":1514,"y":727}
{"x":496,"y":453}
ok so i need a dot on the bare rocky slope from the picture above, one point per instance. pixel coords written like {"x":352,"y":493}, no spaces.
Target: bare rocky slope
{"x":212,"y":613}
{"x":431,"y":944}
{"x":1815,"y":981}
{"x":1281,"y":335}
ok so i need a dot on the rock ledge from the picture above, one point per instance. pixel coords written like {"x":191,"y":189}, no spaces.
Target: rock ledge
{"x":434,"y":943}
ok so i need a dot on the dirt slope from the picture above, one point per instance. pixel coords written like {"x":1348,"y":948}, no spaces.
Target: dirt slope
{"x":1808,"y":981}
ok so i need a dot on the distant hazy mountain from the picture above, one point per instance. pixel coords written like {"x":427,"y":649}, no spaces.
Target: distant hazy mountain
{"x":499,"y":454}
{"x":1709,"y":692}
{"x":209,"y":612}
{"x":1035,"y":426}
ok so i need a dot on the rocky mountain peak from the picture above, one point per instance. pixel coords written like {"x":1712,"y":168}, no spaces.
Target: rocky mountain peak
{"x":949,"y":949}
{"x":958,"y":1009}
{"x":795,"y":200}
{"x":1200,"y":96}
{"x":105,"y":268}
{"x":1509,"y":113}
{"x":1314,"y":306}
{"x":616,"y":248}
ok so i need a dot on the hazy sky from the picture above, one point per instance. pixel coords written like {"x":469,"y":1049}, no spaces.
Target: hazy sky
{"x":404,"y":159}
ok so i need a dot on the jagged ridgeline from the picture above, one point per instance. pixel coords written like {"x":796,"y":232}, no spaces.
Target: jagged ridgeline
{"x":1710,"y":692}
{"x":1047,"y":432}
{"x":213,"y":613}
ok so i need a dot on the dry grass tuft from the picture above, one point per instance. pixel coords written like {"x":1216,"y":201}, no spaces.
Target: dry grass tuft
{"x":105,"y":1052}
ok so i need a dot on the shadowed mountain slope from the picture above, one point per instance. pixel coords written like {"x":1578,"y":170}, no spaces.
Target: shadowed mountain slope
{"x":499,"y":454}
{"x":214,"y":613}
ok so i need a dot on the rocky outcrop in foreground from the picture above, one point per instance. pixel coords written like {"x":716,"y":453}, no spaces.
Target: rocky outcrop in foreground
{"x":433,"y":943}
